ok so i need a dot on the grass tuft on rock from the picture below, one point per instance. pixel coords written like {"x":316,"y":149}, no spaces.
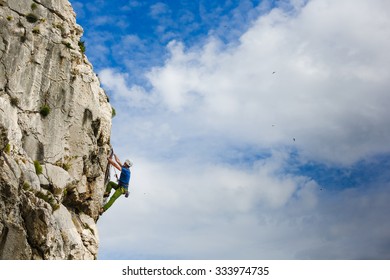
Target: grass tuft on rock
{"x":32,"y":18}
{"x":38,"y":167}
{"x":45,"y":110}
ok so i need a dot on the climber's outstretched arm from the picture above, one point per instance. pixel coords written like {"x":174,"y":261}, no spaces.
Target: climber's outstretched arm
{"x":117,"y":160}
{"x":115,"y":164}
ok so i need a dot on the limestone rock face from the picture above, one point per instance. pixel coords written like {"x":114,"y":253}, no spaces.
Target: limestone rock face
{"x":55,"y":125}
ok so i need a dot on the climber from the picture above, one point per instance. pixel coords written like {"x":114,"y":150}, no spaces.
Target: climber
{"x":122,"y":187}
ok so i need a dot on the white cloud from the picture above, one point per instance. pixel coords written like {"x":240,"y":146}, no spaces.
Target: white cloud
{"x":135,"y":97}
{"x":327,"y":78}
{"x":329,"y":92}
{"x":132,"y":5}
{"x":159,"y":9}
{"x":103,"y":20}
{"x":220,"y":212}
{"x":203,"y":201}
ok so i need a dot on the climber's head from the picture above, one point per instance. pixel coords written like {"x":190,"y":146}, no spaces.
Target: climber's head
{"x":128,"y":163}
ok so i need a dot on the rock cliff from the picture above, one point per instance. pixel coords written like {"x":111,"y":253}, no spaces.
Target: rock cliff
{"x":55,"y":124}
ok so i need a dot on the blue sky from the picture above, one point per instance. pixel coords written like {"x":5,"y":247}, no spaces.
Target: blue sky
{"x":258,"y":129}
{"x":134,"y":34}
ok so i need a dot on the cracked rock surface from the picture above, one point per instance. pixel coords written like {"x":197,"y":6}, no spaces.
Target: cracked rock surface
{"x":55,"y":125}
